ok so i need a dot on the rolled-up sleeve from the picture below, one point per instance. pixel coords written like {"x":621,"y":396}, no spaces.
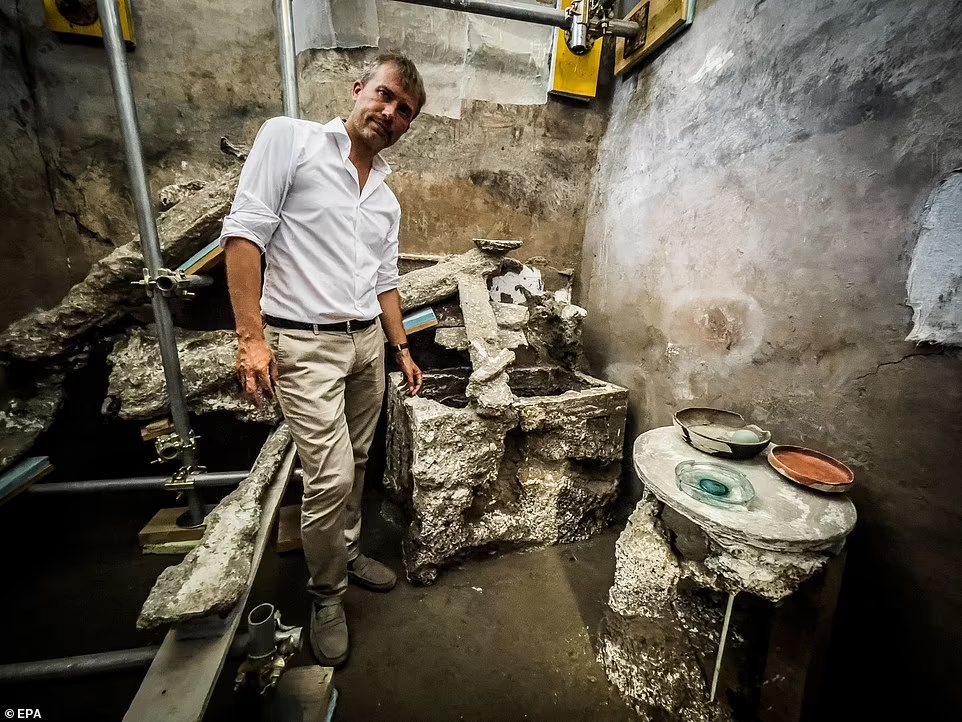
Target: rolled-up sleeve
{"x":263,"y":184}
{"x":387,"y":274}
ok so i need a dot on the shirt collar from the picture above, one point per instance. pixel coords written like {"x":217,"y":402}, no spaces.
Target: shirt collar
{"x":336,"y":127}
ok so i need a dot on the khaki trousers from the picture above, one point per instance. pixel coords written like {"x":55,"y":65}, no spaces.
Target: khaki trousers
{"x":330,"y":387}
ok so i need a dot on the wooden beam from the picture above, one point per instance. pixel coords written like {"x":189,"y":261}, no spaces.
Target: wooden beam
{"x":179,"y":683}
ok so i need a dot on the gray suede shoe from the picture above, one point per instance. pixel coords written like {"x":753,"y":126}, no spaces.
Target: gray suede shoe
{"x":371,"y":574}
{"x":329,"y":640}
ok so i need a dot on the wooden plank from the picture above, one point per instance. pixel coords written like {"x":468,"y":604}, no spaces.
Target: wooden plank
{"x":660,"y":20}
{"x":162,"y":528}
{"x":15,"y":480}
{"x":308,"y":690}
{"x":289,"y":529}
{"x":181,"y":679}
{"x":205,"y":259}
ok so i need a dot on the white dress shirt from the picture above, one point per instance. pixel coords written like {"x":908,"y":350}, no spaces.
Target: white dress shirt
{"x":331,"y":248}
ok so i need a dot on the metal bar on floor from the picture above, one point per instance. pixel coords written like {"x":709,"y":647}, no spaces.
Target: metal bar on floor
{"x":88,"y":665}
{"x":207,"y":479}
{"x":149,"y":239}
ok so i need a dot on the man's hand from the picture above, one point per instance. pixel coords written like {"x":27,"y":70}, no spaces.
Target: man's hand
{"x":256,"y":369}
{"x":413,"y":378}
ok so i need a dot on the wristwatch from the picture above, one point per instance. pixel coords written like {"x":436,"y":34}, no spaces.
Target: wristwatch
{"x":398,"y":347}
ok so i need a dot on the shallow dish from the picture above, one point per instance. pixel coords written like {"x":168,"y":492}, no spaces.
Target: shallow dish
{"x":716,"y":484}
{"x":716,"y":432}
{"x":811,"y":469}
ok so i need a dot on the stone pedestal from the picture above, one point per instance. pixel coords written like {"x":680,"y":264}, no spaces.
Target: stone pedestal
{"x":545,"y":471}
{"x":678,"y":561}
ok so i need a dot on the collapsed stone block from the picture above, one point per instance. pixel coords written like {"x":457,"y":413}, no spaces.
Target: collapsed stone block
{"x":138,"y":388}
{"x":107,"y":293}
{"x":213,"y":576}
{"x":547,"y":474}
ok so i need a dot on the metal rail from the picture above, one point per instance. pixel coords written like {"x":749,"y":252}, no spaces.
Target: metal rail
{"x":284,"y":18}
{"x":149,"y":239}
{"x":538,"y":14}
{"x":216,"y":478}
{"x":87,"y":665}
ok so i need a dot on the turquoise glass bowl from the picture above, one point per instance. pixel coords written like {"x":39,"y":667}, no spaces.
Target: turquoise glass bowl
{"x":716,"y":484}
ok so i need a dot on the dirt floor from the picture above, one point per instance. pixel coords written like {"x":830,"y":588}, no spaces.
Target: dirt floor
{"x":506,"y":637}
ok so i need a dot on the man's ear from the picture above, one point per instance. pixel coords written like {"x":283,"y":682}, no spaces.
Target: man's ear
{"x":358,"y":86}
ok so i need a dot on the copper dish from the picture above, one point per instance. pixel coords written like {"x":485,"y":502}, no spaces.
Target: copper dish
{"x":811,"y":469}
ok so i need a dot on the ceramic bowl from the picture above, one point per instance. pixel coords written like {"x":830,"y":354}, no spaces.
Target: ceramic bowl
{"x":811,"y":469}
{"x":711,"y":431}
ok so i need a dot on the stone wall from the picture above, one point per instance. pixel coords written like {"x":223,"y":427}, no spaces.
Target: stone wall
{"x":202,"y":70}
{"x":751,"y":230}
{"x":34,"y":268}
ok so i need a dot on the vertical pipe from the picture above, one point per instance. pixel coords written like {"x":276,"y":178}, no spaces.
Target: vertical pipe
{"x":149,"y":239}
{"x":284,"y":18}
{"x":262,"y":629}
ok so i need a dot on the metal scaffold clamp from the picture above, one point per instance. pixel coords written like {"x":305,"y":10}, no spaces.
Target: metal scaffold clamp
{"x":171,"y":447}
{"x":270,"y":647}
{"x":172,"y":283}
{"x":184,"y":478}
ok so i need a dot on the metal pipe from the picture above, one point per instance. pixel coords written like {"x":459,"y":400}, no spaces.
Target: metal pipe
{"x":502,"y":9}
{"x":262,"y":627}
{"x":149,"y":239}
{"x":623,"y":28}
{"x":90,"y":664}
{"x":284,"y":18}
{"x":538,"y":14}
{"x":210,"y":479}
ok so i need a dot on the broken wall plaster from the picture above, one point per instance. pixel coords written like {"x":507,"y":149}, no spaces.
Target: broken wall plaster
{"x":461,"y":56}
{"x":934,"y":285}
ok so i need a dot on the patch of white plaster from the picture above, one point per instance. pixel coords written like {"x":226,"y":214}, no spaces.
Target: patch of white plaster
{"x":714,"y":62}
{"x":934,"y":285}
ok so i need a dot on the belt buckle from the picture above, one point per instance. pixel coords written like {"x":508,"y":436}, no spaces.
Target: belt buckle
{"x":348,"y":324}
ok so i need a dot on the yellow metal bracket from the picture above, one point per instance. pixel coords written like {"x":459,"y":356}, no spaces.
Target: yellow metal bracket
{"x":80,"y":17}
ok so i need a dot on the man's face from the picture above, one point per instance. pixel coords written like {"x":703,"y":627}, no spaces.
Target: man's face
{"x":383,"y":109}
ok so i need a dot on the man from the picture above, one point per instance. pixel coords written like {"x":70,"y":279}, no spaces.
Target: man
{"x":312,"y":199}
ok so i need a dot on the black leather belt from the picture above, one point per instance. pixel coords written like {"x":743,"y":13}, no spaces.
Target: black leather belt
{"x":343,"y":326}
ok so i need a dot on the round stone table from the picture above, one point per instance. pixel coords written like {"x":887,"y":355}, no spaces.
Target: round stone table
{"x":675,"y":640}
{"x":783,"y":516}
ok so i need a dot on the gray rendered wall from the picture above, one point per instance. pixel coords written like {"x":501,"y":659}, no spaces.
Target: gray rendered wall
{"x":747,"y":246}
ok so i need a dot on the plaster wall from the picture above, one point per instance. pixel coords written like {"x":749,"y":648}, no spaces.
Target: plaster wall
{"x":747,"y":245}
{"x":202,"y":70}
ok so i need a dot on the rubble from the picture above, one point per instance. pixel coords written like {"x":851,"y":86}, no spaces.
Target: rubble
{"x":107,"y":292}
{"x":554,"y":330}
{"x":434,"y":283}
{"x":456,"y":338}
{"x":497,"y":246}
{"x":213,"y":576}
{"x":137,"y":388}
{"x":546,"y":474}
{"x":173,"y":194}
{"x":25,"y":413}
{"x":488,"y":384}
